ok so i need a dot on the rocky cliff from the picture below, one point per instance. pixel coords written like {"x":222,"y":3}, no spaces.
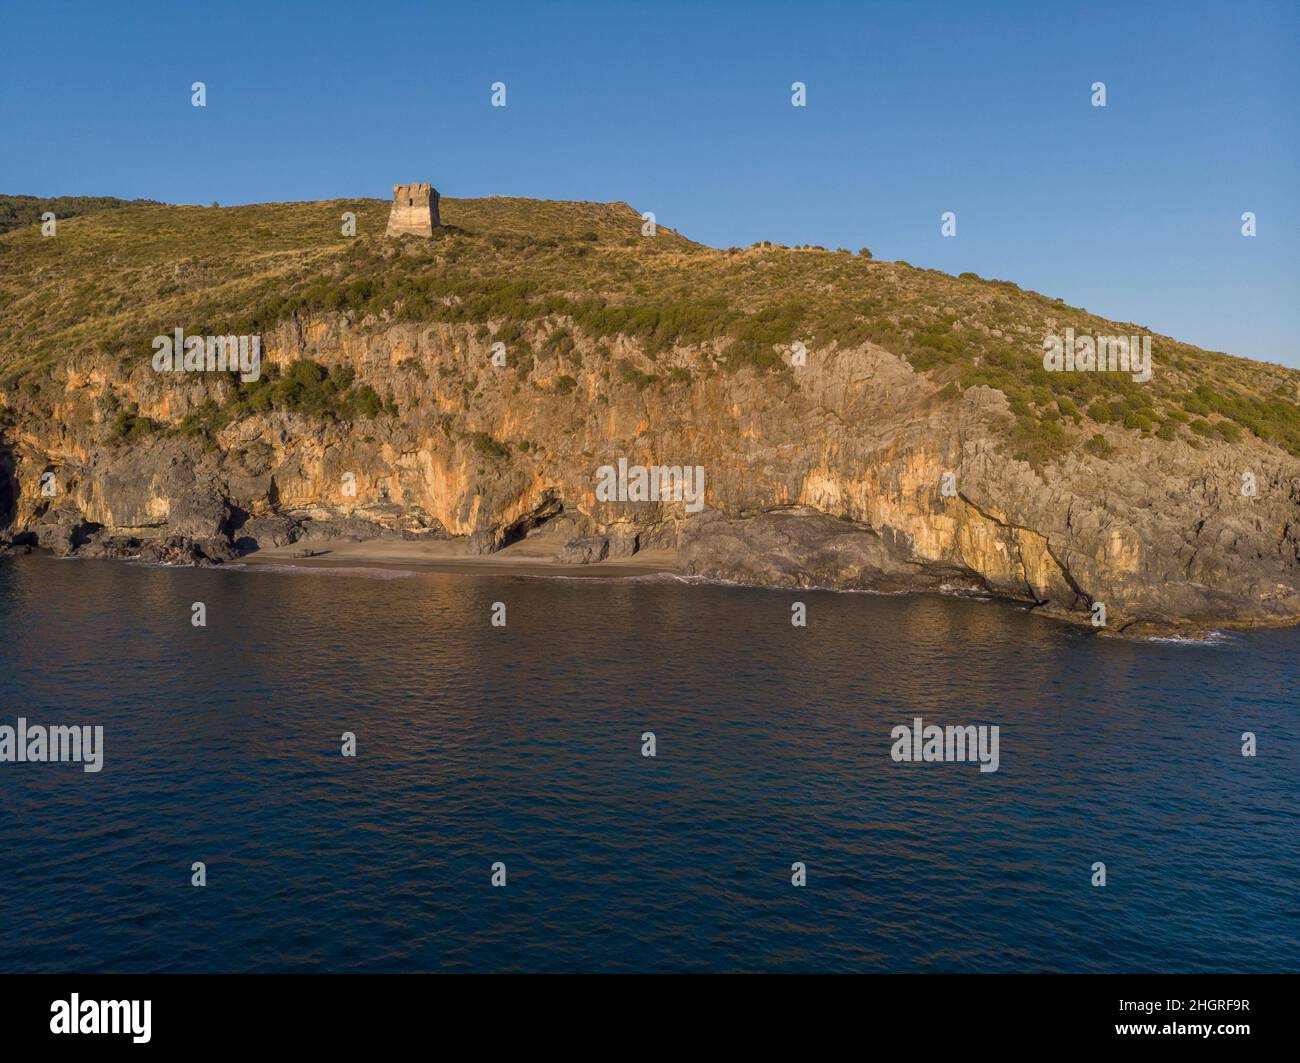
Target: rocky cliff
{"x":859,"y":424}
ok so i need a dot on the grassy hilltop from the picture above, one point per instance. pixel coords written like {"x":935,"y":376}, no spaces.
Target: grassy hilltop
{"x":114,"y":278}
{"x":18,"y":211}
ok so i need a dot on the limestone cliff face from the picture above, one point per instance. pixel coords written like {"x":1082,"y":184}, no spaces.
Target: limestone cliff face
{"x":831,"y":474}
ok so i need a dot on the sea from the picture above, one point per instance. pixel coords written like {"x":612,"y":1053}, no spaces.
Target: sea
{"x":500,"y":811}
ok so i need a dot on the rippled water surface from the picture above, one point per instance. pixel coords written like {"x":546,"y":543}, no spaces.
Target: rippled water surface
{"x":478,"y":744}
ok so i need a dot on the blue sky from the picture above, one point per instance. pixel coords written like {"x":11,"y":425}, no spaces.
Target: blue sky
{"x":914,"y":108}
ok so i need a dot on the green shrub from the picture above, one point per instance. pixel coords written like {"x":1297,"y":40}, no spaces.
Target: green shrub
{"x":630,"y":374}
{"x":1100,"y":412}
{"x":364,"y":401}
{"x":1098,"y":446}
{"x":1228,"y":431}
{"x":561,"y":344}
{"x":128,"y":427}
{"x":205,"y":422}
{"x":1037,"y":441}
{"x":486,"y":445}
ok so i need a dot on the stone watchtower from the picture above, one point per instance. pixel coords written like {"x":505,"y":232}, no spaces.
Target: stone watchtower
{"x":415,"y":210}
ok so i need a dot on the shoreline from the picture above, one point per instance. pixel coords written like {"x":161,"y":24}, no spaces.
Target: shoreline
{"x":535,"y":557}
{"x":525,"y":558}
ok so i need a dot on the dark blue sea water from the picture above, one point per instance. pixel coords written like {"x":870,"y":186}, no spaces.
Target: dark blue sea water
{"x":522,"y":745}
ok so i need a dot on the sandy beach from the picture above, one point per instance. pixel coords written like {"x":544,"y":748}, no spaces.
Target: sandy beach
{"x":532,"y":556}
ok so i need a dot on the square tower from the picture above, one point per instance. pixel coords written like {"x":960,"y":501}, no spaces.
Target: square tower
{"x":414,"y":210}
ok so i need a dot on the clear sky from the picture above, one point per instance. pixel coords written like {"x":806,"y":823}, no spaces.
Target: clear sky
{"x":913,"y":109}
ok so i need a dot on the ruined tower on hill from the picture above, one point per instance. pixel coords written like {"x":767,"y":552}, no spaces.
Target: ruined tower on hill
{"x":414,"y":211}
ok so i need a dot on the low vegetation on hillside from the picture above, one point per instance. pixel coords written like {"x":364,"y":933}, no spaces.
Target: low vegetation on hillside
{"x":113,"y":279}
{"x":17,"y":211}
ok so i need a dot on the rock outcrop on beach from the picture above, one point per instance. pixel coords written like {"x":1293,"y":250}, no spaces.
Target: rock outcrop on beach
{"x":858,"y":424}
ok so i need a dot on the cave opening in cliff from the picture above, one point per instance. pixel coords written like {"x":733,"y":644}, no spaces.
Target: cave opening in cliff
{"x":8,"y":488}
{"x":549,"y":508}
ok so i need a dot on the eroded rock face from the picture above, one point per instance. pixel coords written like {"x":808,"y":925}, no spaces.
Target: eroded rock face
{"x":62,"y":531}
{"x":584,"y":551}
{"x":274,"y":529}
{"x":804,"y":548}
{"x":199,"y":513}
{"x":827,"y":475}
